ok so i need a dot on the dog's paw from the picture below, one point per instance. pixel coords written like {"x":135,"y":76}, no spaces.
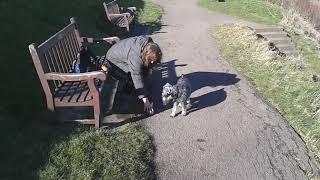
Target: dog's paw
{"x":184,"y":113}
{"x":172,"y":115}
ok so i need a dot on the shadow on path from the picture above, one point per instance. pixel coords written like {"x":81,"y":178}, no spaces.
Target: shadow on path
{"x":198,"y":81}
{"x":167,"y":73}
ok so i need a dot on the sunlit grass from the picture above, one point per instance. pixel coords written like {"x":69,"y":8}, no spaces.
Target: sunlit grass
{"x":286,"y":83}
{"x":253,"y":10}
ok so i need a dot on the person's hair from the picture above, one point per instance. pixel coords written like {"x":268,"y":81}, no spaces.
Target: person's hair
{"x":152,"y":52}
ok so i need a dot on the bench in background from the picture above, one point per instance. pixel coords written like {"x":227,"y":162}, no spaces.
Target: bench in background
{"x":118,"y":16}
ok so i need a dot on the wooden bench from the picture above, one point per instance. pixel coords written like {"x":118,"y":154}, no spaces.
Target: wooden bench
{"x":53,"y":60}
{"x":119,"y":16}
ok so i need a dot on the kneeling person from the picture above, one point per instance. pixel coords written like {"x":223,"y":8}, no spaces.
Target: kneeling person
{"x":130,"y":60}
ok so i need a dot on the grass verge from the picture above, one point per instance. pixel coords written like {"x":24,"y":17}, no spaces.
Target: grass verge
{"x":101,"y":154}
{"x":286,"y":83}
{"x":30,"y":147}
{"x":308,"y":50}
{"x":253,"y":10}
{"x":151,"y":13}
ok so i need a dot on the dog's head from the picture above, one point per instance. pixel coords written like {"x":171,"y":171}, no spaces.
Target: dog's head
{"x":167,"y":93}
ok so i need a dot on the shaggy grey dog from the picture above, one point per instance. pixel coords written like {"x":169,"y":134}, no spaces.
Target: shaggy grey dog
{"x":179,"y":94}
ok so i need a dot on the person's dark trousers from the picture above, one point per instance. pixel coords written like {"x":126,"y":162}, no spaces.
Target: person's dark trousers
{"x":124,"y":78}
{"x":125,"y":81}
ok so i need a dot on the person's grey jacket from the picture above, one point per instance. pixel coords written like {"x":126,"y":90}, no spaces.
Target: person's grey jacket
{"x":127,"y":55}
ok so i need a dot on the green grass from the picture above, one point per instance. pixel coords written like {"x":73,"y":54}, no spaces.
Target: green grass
{"x":287,"y":84}
{"x":29,"y":145}
{"x":253,"y":10}
{"x":151,"y":15}
{"x":124,"y":154}
{"x":33,"y":150}
{"x":309,"y":51}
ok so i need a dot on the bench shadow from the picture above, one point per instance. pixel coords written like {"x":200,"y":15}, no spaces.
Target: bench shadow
{"x":146,"y":29}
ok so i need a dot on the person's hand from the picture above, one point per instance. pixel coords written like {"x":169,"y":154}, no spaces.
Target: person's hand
{"x":147,"y":106}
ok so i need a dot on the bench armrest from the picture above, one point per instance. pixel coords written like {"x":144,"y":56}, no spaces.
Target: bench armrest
{"x":110,"y":40}
{"x":76,"y":77}
{"x":132,"y":8}
{"x":128,"y":8}
{"x":126,"y":14}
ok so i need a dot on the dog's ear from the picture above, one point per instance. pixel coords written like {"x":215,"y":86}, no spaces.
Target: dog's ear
{"x":167,"y":84}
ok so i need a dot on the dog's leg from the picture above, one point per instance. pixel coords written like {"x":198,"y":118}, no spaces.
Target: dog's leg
{"x":174,"y":109}
{"x":184,"y":109}
{"x":188,"y":103}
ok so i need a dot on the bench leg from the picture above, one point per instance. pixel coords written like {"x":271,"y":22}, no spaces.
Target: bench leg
{"x":97,"y":113}
{"x":96,"y":102}
{"x":50,"y":105}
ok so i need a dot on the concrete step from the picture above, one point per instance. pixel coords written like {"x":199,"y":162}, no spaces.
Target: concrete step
{"x":290,"y":52}
{"x":274,"y":35}
{"x":283,"y":48}
{"x":277,"y":41}
{"x":286,"y":48}
{"x":268,"y":29}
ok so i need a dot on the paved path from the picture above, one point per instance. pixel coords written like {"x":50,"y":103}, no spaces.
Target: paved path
{"x":231,"y":133}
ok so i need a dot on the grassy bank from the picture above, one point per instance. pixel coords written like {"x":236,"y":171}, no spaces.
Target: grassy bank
{"x":286,"y":83}
{"x":252,"y":10}
{"x":30,"y":148}
{"x":101,"y":154}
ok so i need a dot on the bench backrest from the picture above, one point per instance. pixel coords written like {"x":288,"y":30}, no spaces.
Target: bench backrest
{"x":111,"y":8}
{"x":57,"y":53}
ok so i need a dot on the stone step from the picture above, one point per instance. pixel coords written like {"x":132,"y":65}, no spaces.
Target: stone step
{"x":285,"y":45}
{"x":268,"y":29}
{"x":274,"y":35}
{"x":287,"y":48}
{"x":277,"y":41}
{"x":290,"y":52}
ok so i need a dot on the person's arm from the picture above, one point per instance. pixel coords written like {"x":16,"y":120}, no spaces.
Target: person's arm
{"x":137,"y":77}
{"x":135,"y":67}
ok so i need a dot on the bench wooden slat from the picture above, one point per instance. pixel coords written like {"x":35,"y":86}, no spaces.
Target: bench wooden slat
{"x":46,"y":63}
{"x":75,"y":91}
{"x":56,"y":60}
{"x":67,"y":56}
{"x":55,"y":38}
{"x":75,"y":104}
{"x":130,"y":19}
{"x":113,"y":7}
{"x":62,"y":91}
{"x":63,"y":60}
{"x":71,"y":49}
{"x":84,"y":96}
{"x":119,"y":21}
{"x":53,"y":67}
{"x":52,"y":61}
{"x":73,"y":44}
{"x":83,"y":121}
